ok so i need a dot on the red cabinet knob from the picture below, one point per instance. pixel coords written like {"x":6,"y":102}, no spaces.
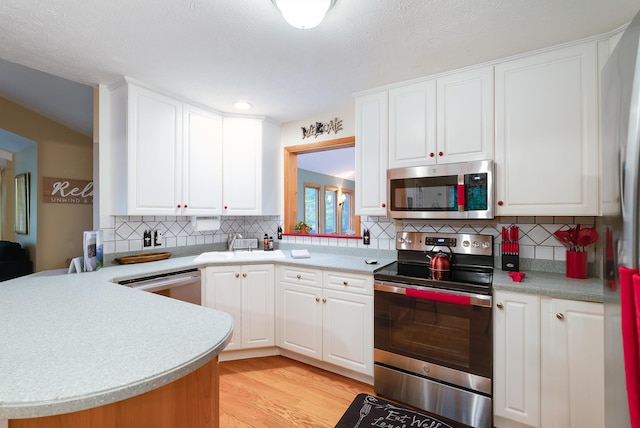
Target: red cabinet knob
{"x":178,"y":205}
{"x":225,"y":207}
{"x":186,"y":206}
{"x":440,"y":154}
{"x":500,"y":203}
{"x":384,"y":205}
{"x":431,"y":154}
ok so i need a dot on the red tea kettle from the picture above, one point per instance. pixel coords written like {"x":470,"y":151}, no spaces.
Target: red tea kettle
{"x":440,"y":265}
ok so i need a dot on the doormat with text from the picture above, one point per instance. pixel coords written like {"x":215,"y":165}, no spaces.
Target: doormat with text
{"x":368,"y":411}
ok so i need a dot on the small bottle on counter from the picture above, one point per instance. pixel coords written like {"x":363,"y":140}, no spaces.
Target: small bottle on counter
{"x":265,"y":242}
{"x":366,"y":237}
{"x":271,"y":243}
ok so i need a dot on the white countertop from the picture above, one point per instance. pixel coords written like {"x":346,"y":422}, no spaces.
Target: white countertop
{"x":72,"y":342}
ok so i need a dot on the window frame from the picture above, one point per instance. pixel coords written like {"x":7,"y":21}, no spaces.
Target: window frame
{"x":291,"y":180}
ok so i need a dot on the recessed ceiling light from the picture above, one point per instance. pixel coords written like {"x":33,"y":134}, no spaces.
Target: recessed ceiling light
{"x":242,"y":105}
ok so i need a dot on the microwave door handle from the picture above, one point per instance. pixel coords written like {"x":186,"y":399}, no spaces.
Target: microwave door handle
{"x":461,"y":193}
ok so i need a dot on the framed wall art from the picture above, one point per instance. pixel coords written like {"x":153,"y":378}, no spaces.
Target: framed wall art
{"x":21,"y":215}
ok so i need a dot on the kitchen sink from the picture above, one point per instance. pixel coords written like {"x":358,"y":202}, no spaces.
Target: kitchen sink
{"x":238,"y":255}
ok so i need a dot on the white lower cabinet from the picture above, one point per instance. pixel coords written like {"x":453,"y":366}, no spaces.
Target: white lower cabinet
{"x":548,"y":362}
{"x":516,"y":360}
{"x":246,"y":293}
{"x":327,"y":316}
{"x":572,"y":364}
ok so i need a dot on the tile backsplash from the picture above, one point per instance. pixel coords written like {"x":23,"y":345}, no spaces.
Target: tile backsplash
{"x":536,"y":233}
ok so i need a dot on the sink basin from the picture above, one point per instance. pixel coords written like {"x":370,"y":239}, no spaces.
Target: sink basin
{"x":214,"y":256}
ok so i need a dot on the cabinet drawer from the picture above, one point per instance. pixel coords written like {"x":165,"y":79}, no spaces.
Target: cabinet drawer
{"x":350,"y":282}
{"x":301,"y":276}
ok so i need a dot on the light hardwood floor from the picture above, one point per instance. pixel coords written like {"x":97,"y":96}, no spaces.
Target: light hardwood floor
{"x":280,"y":392}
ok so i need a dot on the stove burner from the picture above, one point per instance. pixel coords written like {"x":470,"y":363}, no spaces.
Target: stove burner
{"x":471,"y":266}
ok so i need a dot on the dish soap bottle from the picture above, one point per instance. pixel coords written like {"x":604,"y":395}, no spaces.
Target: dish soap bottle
{"x":265,"y":242}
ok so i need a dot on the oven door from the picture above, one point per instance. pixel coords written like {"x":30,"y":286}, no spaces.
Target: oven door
{"x":450,"y":330}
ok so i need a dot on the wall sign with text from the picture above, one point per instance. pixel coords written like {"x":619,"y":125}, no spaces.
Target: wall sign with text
{"x":320,"y":128}
{"x":67,"y":191}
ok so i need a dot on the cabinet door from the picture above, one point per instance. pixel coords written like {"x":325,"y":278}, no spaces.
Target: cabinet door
{"x":223,"y":291}
{"x":372,"y":154}
{"x":154,"y":152}
{"x":242,"y":158}
{"x":300,"y":319}
{"x":347,"y":330}
{"x":465,"y":116}
{"x":573,"y":364}
{"x":516,"y":364}
{"x":547,"y":133}
{"x":258,"y":306}
{"x":412,"y":125}
{"x":202,"y":163}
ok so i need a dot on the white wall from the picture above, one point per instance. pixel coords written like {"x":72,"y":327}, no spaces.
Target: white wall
{"x":291,"y":134}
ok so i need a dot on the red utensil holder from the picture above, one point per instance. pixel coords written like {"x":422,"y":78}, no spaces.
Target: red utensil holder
{"x":576,"y":264}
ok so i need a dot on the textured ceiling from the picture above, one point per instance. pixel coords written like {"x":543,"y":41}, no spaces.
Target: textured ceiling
{"x":218,"y":51}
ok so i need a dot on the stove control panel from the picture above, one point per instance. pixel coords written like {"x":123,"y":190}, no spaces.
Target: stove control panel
{"x":461,"y":243}
{"x":440,"y":241}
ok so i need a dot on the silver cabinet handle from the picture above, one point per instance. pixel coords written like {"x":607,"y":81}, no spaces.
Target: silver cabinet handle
{"x":500,"y":306}
{"x":237,"y":275}
{"x":345,"y":283}
{"x":324,"y":300}
{"x":298,"y":276}
{"x":244,"y":275}
{"x":317,"y":299}
{"x":560,"y":316}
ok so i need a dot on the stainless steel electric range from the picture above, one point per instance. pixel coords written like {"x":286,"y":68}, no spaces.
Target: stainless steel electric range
{"x":433,"y":330}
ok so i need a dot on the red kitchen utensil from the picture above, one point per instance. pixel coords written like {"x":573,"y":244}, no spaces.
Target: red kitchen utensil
{"x":565,"y":237}
{"x":587,"y":237}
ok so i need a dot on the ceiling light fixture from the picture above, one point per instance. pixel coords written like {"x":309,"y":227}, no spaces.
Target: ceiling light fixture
{"x":242,"y":105}
{"x":304,"y":14}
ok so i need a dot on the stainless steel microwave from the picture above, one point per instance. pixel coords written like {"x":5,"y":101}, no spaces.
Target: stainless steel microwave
{"x":449,"y":191}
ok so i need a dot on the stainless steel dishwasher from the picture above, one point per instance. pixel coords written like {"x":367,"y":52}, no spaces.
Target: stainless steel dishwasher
{"x":181,"y":285}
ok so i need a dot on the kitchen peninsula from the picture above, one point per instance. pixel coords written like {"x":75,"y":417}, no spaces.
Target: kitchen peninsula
{"x":78,"y":350}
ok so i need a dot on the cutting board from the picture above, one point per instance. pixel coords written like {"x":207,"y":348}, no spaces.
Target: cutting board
{"x":142,"y":258}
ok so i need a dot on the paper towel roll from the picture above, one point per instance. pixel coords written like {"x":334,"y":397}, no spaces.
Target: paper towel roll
{"x":205,"y":223}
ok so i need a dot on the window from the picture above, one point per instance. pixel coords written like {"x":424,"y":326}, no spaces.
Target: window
{"x":295,"y":194}
{"x":312,"y":206}
{"x":331,"y":210}
{"x":346,"y":212}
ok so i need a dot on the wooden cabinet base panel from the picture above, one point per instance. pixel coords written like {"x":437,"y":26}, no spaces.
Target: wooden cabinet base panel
{"x":189,"y":402}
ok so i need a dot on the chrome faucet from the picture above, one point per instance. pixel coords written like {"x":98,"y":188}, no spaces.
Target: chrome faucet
{"x":232,"y":240}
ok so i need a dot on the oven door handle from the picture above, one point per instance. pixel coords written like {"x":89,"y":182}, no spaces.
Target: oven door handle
{"x":437,"y":295}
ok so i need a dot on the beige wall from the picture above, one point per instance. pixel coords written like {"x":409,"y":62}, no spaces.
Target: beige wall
{"x":63,"y":153}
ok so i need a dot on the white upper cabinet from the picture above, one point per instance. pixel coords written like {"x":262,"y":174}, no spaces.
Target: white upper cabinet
{"x":372,"y":146}
{"x":442,"y":121}
{"x":154,"y":148}
{"x":465,"y":116}
{"x":250,"y":154}
{"x":412,"y":125}
{"x":547,"y":133}
{"x":202,"y":162}
{"x":163,"y":157}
